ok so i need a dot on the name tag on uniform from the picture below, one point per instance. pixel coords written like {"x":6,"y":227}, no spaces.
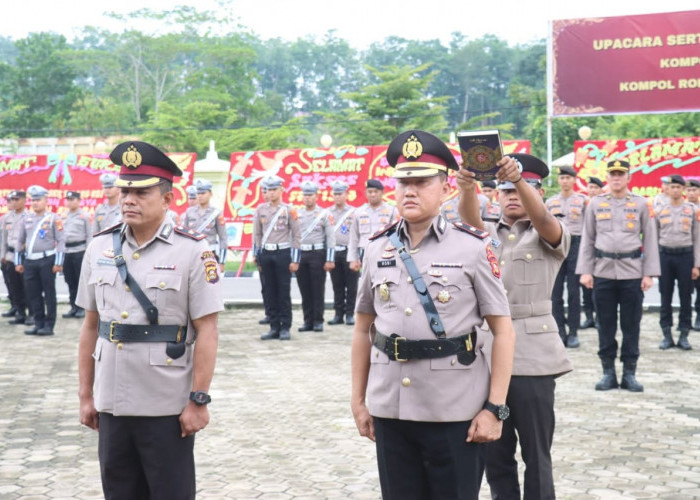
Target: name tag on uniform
{"x":603,"y":216}
{"x":386,"y":263}
{"x":105,"y":262}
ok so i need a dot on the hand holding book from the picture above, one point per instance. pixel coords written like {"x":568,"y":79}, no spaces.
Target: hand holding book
{"x":481,"y":151}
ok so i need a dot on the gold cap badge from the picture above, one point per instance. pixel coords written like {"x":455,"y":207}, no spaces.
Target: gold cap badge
{"x":412,"y":148}
{"x":131,"y":157}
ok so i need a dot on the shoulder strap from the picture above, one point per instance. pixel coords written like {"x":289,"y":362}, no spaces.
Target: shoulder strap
{"x":342,"y":218}
{"x":206,"y":222}
{"x":383,"y":230}
{"x":30,"y":247}
{"x":421,"y":288}
{"x":313,"y":225}
{"x":471,"y":230}
{"x":269,"y":229}
{"x":189,"y":233}
{"x":148,"y":307}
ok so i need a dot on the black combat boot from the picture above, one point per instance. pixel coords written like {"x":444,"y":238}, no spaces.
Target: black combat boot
{"x":349,"y":319}
{"x":71,"y":313}
{"x":629,"y":381}
{"x":683,"y":340}
{"x":273,"y":333}
{"x":572,"y":340}
{"x":588,"y":323}
{"x":609,"y":380}
{"x":337,"y":320}
{"x":10,"y":313}
{"x":667,"y":341}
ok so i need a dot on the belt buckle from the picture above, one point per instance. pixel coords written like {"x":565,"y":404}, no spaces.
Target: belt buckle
{"x":111,"y":331}
{"x":396,"y":350}
{"x":468,"y":343}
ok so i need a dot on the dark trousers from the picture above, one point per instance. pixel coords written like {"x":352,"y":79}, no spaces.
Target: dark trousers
{"x":262,"y":290}
{"x":41,"y":289}
{"x":567,"y":274}
{"x":676,"y":268}
{"x":427,"y":460}
{"x":275,"y":268}
{"x":71,"y":273}
{"x":697,"y":296}
{"x":587,"y":300}
{"x":15,"y":288}
{"x":145,"y":458}
{"x":531,"y":403}
{"x":608,"y":295}
{"x":344,"y":282}
{"x":311,"y":279}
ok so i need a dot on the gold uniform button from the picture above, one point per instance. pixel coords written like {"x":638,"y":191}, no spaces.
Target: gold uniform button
{"x":120,"y":346}
{"x":545,"y":327}
{"x":125,"y":314}
{"x":528,"y":256}
{"x":511,"y":236}
{"x":410,"y":280}
{"x":453,"y":362}
{"x":128,"y":288}
{"x":136,"y":256}
{"x":445,"y":279}
{"x":503,"y":262}
{"x":408,"y":311}
{"x":406,"y":382}
{"x":168,"y":361}
{"x":161,"y":285}
{"x":99,"y":280}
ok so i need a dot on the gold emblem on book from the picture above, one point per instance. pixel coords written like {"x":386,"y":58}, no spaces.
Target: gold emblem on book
{"x":412,"y":148}
{"x":481,"y":158}
{"x":131,"y":157}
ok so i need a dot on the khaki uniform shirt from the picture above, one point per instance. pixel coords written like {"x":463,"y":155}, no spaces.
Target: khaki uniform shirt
{"x":286,"y":229}
{"x":368,"y":221}
{"x":40,"y":234}
{"x":77,"y":228}
{"x":180,"y":277}
{"x":343,"y":221}
{"x":452,"y":262}
{"x":488,"y":210}
{"x":660,"y":200}
{"x":529,"y":266}
{"x":9,"y":224}
{"x":322,"y":233}
{"x":209,"y":222}
{"x":106,"y":216}
{"x":618,"y":225}
{"x":571,"y":209}
{"x":679,"y":227}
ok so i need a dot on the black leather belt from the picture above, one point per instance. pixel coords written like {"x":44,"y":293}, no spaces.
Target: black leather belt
{"x":75,"y":243}
{"x":120,"y":332}
{"x":615,"y":255}
{"x":575,"y":237}
{"x":402,"y":349}
{"x":10,"y":249}
{"x":675,"y":250}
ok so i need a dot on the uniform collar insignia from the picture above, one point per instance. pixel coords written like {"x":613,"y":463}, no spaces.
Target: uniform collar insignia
{"x":166,"y":231}
{"x":442,"y":224}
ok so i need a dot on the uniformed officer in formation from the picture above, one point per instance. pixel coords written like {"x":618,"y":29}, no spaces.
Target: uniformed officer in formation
{"x":108,"y":213}
{"x":76,"y":226}
{"x":491,"y":210}
{"x":662,"y":198}
{"x":317,"y":244}
{"x":344,"y":279}
{"x":678,"y":227}
{"x":420,"y":380}
{"x":208,"y":221}
{"x":266,"y":319}
{"x":146,"y":287}
{"x":594,"y":188}
{"x":570,"y":206}
{"x":191,"y":196}
{"x":9,"y":225}
{"x":39,"y":255}
{"x":369,"y":218}
{"x":530,"y":244}
{"x":692,"y":191}
{"x":619,"y":256}
{"x":276,"y":249}
{"x":450,"y":209}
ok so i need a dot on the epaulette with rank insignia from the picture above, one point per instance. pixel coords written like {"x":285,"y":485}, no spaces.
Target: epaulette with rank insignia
{"x":474,"y":231}
{"x":110,"y":229}
{"x":386,"y":229}
{"x":189,"y":233}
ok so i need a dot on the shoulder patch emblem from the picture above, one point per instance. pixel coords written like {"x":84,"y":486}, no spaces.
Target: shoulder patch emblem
{"x":384,"y":230}
{"x":474,"y":231}
{"x":493,"y":261}
{"x":189,"y":233}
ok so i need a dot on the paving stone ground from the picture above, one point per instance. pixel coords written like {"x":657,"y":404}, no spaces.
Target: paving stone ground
{"x":281,"y":426}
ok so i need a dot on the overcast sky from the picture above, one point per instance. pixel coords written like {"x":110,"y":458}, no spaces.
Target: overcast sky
{"x":361,"y":22}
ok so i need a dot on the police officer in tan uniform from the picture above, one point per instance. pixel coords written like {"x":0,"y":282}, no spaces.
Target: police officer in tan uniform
{"x":266,"y":319}
{"x":108,"y":213}
{"x":420,"y":380}
{"x":9,"y":225}
{"x":570,"y":206}
{"x":317,"y":244}
{"x":618,"y":257}
{"x":191,"y":196}
{"x":491,"y":210}
{"x":692,"y":191}
{"x":208,"y":221}
{"x":344,"y":279}
{"x":530,"y":244}
{"x":147,"y":287}
{"x":369,"y":218}
{"x":276,"y":249}
{"x":76,"y":225}
{"x":595,"y":187}
{"x":39,"y":255}
{"x":679,"y":252}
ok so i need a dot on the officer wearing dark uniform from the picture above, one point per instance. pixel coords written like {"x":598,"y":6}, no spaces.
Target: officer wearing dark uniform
{"x":76,"y":225}
{"x":570,"y":206}
{"x":9,"y":224}
{"x":39,"y":256}
{"x":679,"y":251}
{"x":595,"y":187}
{"x":344,"y":279}
{"x":147,"y":286}
{"x":692,"y":191}
{"x":420,"y":380}
{"x":108,"y":213}
{"x":619,"y":255}
{"x":276,"y":249}
{"x":317,"y":244}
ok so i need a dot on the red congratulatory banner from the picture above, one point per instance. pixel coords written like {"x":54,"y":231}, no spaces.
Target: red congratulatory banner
{"x":650,"y":159}
{"x":350,"y":164}
{"x":632,"y":64}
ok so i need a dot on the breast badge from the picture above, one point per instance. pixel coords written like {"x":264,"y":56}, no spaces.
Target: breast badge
{"x":443,"y":296}
{"x":384,"y":292}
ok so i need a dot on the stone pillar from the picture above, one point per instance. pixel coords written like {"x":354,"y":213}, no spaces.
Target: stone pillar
{"x":216,"y":171}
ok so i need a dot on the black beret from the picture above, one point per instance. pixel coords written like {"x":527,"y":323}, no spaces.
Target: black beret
{"x":73,"y":194}
{"x":489,"y":184}
{"x":596,"y":181}
{"x":618,"y":166}
{"x":416,"y":153}
{"x":676,"y":179}
{"x":567,"y":171}
{"x":374,"y":183}
{"x":143,"y":165}
{"x":694,"y":183}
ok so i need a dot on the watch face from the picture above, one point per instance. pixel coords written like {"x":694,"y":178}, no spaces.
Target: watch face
{"x":200,"y":397}
{"x":503,"y":412}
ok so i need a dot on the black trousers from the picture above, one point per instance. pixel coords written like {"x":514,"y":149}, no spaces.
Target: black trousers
{"x":275,"y":267}
{"x":587,"y":300}
{"x":262,"y":291}
{"x":41,"y":289}
{"x":567,"y":274}
{"x":676,"y":267}
{"x":15,"y":287}
{"x":71,"y":273}
{"x":608,"y":295}
{"x":344,"y":282}
{"x":427,"y":460}
{"x":697,"y":296}
{"x":145,"y":458}
{"x":311,"y":279}
{"x":531,"y":403}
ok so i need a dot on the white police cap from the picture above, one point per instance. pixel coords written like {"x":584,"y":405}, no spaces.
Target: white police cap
{"x":108,"y":180}
{"x":339,"y":187}
{"x":309,"y":187}
{"x":37,"y":192}
{"x":203,"y":185}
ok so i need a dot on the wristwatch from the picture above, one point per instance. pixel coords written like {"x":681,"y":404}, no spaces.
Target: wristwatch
{"x":502,"y":412}
{"x":200,"y":398}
